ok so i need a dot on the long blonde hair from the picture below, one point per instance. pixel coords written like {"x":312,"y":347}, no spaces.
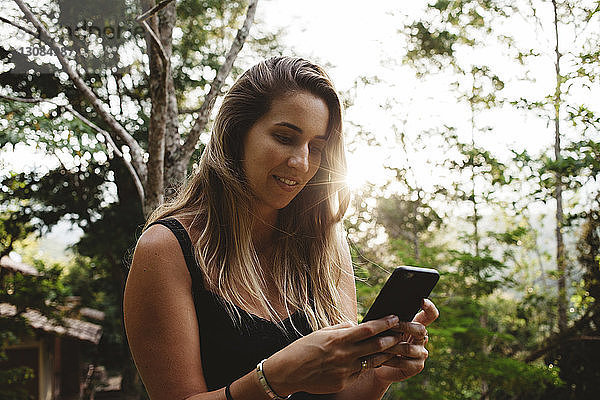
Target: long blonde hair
{"x":307,"y":247}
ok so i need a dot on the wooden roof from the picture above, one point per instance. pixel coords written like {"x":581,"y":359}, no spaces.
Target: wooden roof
{"x":16,"y":266}
{"x":74,"y":328}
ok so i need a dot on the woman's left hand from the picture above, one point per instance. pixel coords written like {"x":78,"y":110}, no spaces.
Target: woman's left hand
{"x":410,"y":353}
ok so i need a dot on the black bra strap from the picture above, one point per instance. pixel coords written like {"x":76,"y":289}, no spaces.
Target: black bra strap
{"x":186,"y":247}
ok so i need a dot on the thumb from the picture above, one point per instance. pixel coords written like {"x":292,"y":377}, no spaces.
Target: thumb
{"x":428,"y":313}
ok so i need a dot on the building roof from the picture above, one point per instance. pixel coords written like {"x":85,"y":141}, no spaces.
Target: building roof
{"x":16,"y":266}
{"x":92,"y":313}
{"x":74,"y":328}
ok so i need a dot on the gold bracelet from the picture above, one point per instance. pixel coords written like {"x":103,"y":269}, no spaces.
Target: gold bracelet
{"x":263,"y":381}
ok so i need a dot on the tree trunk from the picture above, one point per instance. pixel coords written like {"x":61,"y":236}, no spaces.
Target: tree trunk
{"x":415,"y":232}
{"x":416,"y":246}
{"x":560,"y":247}
{"x":472,"y":161}
{"x":485,"y":386}
{"x":159,"y":72}
{"x":174,"y":168}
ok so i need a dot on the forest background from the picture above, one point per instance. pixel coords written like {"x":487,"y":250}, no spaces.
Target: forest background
{"x":472,"y":133}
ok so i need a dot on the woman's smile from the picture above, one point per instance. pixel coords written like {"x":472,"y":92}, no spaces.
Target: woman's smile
{"x":286,"y":184}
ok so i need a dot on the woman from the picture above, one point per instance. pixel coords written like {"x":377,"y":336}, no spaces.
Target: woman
{"x":243,"y":287}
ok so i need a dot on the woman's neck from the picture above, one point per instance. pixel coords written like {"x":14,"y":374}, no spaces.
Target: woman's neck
{"x":263,"y":230}
{"x":262,"y":235}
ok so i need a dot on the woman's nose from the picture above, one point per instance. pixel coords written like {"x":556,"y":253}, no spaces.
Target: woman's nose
{"x":299,"y":159}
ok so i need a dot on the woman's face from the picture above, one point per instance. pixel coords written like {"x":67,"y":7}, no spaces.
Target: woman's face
{"x":282,"y":150}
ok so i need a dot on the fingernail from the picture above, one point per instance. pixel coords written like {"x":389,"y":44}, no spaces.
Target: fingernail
{"x":392,"y":320}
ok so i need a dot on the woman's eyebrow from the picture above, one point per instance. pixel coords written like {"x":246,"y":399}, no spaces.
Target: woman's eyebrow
{"x":297,"y":128}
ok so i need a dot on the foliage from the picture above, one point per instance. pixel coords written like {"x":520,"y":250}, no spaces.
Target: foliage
{"x":577,"y":355}
{"x":489,"y":322}
{"x":45,"y":293}
{"x":14,"y":225}
{"x":12,"y":382}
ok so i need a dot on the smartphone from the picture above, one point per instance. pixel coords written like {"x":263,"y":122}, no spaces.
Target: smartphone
{"x":403,"y":293}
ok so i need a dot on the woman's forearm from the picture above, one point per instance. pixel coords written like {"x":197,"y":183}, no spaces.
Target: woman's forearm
{"x":245,"y":388}
{"x":366,"y":387}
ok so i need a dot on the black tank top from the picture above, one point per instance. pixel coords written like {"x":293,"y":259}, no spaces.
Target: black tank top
{"x":229,"y":352}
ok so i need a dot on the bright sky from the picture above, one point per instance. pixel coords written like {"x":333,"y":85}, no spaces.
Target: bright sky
{"x":354,"y":38}
{"x":351,"y":40}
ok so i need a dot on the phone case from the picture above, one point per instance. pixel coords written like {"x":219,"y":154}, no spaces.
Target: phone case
{"x":403,"y":293}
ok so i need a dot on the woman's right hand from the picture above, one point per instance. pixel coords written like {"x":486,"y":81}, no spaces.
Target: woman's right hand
{"x":326,"y":360}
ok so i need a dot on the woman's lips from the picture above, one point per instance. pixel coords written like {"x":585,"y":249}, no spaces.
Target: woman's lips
{"x":285,"y":186}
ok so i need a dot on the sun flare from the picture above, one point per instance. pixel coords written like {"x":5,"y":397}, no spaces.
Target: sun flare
{"x":364,"y":167}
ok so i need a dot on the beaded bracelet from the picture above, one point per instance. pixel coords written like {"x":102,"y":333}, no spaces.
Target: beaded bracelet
{"x":263,"y":381}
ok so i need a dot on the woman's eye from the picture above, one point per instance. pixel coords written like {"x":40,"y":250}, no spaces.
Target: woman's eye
{"x":283,"y":139}
{"x":316,"y":149}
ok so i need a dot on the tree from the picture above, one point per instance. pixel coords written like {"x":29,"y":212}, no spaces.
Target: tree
{"x":476,"y":342}
{"x":408,"y":214}
{"x":123,"y":132}
{"x":15,"y":224}
{"x":167,"y":151}
{"x":573,"y":70}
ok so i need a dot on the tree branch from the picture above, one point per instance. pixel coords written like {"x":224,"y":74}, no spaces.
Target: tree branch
{"x":558,"y":338}
{"x":161,"y":50}
{"x":111,"y":144}
{"x":153,"y":10}
{"x":217,"y":83}
{"x":25,"y":100}
{"x":32,"y":33}
{"x":189,"y":110}
{"x":137,"y":153}
{"x":539,"y":353}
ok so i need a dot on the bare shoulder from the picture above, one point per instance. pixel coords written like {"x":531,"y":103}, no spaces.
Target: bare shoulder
{"x":160,"y":317}
{"x":157,"y":259}
{"x":159,"y":240}
{"x":155,"y":235}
